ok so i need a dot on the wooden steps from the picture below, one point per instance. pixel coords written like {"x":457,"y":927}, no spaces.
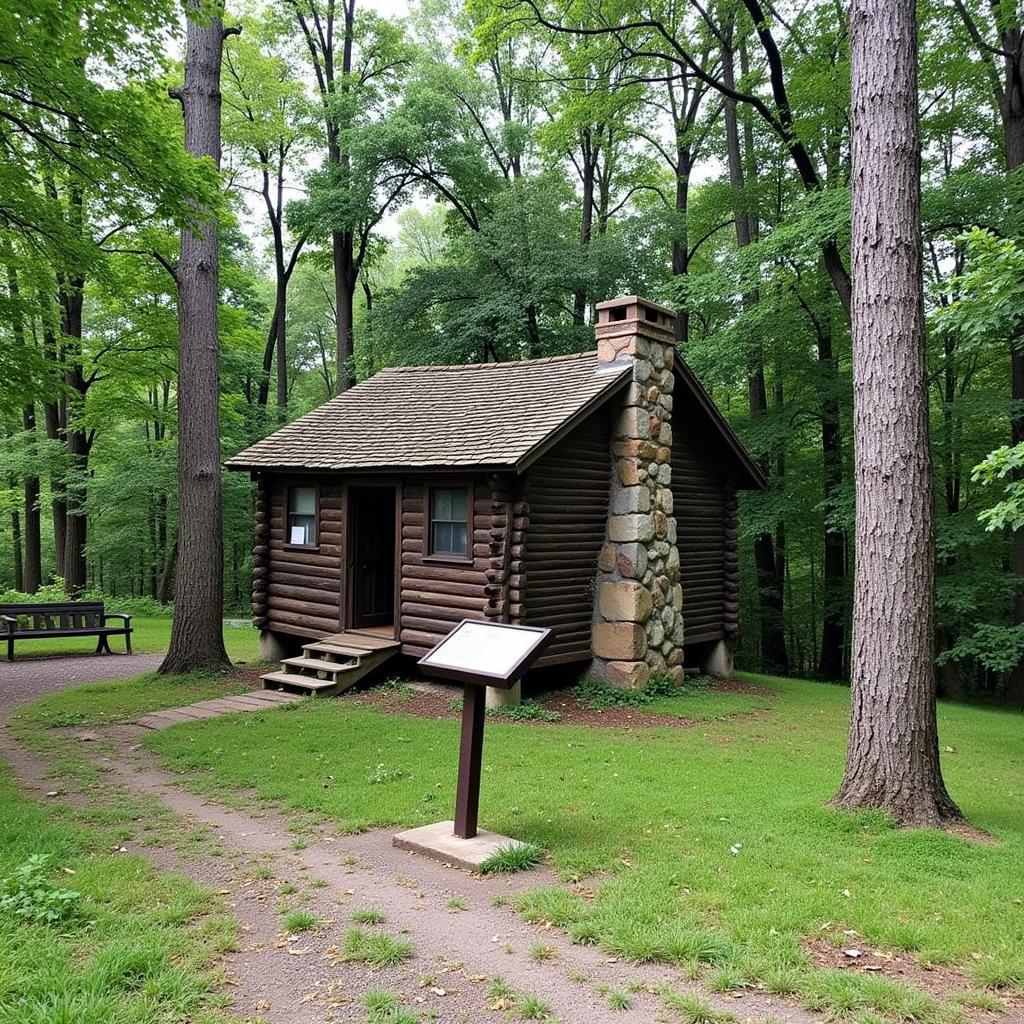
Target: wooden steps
{"x":331,"y":665}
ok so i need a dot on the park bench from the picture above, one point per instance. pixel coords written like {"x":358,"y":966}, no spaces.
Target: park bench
{"x":62,"y":618}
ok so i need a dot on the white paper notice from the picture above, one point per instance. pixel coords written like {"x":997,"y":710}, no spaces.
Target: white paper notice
{"x":298,"y":535}
{"x":488,"y":648}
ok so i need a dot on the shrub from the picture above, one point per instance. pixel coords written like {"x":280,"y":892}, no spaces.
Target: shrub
{"x":30,"y":895}
{"x":526,"y":711}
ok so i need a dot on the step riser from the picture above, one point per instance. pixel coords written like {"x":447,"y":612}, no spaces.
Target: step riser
{"x":345,"y":674}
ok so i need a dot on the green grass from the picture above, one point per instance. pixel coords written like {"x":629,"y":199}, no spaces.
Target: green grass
{"x":510,"y":858}
{"x":660,"y":811}
{"x":141,"y":948}
{"x":374,"y":949}
{"x":149,"y":636}
{"x":300,"y":921}
{"x":368,"y":917}
{"x":119,"y":700}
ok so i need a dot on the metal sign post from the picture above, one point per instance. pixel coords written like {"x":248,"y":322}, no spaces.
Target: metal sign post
{"x":476,"y":654}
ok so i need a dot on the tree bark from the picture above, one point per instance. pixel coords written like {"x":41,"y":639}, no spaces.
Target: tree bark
{"x":892,"y":754}
{"x":197,"y":632}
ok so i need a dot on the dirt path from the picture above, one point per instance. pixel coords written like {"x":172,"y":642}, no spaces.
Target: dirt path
{"x":26,"y":679}
{"x":461,"y":939}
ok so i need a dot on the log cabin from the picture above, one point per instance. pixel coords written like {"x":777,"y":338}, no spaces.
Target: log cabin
{"x":593,"y":493}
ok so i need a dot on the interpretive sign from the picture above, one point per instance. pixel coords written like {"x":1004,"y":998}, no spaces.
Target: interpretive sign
{"x":480,"y":654}
{"x":486,"y":653}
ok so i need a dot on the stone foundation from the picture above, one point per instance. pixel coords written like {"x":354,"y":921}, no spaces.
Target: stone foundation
{"x":638,"y":608}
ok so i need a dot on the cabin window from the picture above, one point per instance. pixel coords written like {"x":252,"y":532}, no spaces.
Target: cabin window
{"x":302,"y":502}
{"x":449,"y":522}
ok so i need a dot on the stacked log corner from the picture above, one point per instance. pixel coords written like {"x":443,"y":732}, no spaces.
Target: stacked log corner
{"x":638,"y":611}
{"x":261,"y":556}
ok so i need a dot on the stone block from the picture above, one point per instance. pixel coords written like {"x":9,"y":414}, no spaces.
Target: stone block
{"x":628,"y":472}
{"x":606,"y":560}
{"x":663,"y":455}
{"x":626,"y":500}
{"x":664,"y":434}
{"x":606,"y":352}
{"x":628,"y":675}
{"x":624,"y":529}
{"x":624,"y":601}
{"x":619,"y":641}
{"x":634,"y":423}
{"x":665,"y":473}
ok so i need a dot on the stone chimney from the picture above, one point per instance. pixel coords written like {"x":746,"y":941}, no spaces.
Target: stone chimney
{"x":638,"y":607}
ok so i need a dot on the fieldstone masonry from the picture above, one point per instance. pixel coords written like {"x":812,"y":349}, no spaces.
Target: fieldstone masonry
{"x":638,"y":611}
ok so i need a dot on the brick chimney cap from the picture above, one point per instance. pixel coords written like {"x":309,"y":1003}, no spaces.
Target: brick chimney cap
{"x":635,"y":300}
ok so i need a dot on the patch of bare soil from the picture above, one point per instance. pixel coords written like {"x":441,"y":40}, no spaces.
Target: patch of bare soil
{"x":436,"y":704}
{"x":852,"y":954}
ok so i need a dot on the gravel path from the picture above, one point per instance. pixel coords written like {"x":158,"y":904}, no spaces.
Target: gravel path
{"x":25,"y":679}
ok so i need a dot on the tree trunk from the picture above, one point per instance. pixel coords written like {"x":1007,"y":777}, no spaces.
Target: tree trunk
{"x":588,"y":167}
{"x":31,"y":569}
{"x":833,"y":584}
{"x":282,"y":348}
{"x":197,"y":632}
{"x":771,"y":595}
{"x":344,"y":298}
{"x":19,"y":564}
{"x":71,"y":294}
{"x":893,"y":753}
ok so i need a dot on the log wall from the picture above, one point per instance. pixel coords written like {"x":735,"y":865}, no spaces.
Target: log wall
{"x":564,"y":518}
{"x":435,"y":596}
{"x":701,"y":493}
{"x":303,"y":592}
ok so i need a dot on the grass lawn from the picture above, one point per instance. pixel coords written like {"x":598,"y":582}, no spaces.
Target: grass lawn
{"x":119,"y":700}
{"x":134,"y":947}
{"x":703,"y":846}
{"x":149,"y":636}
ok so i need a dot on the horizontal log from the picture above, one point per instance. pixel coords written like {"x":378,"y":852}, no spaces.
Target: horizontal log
{"x":412,"y":612}
{"x":290,"y":602}
{"x":280,"y":565}
{"x":305,"y":581}
{"x":314,"y":623}
{"x":428,"y":603}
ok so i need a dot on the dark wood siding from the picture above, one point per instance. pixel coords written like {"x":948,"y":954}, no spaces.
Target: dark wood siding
{"x":303,"y":595}
{"x":699,"y":493}
{"x":567,"y":492}
{"x":435,"y":596}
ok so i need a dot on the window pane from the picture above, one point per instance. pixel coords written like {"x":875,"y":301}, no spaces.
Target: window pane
{"x":459,"y":505}
{"x":459,"y":538}
{"x":442,"y":537}
{"x":304,"y":501}
{"x":442,"y":505}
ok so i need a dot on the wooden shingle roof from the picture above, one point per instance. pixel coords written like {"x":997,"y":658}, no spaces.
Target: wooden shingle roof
{"x":485,"y":415}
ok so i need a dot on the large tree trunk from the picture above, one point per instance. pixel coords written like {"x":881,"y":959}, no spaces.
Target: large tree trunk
{"x":893,"y":752}
{"x":197,"y":633}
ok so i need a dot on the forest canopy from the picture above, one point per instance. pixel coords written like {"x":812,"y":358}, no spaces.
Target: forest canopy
{"x":463,"y":183}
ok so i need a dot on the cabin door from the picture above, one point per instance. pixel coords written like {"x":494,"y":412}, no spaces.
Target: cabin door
{"x":372,"y":556}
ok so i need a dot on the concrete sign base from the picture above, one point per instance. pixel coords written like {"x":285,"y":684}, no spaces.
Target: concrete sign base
{"x":439,"y":842}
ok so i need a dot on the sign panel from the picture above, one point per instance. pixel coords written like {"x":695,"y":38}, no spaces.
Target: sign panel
{"x":486,"y":653}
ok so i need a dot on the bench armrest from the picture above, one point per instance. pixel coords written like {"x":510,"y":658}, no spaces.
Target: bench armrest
{"x":10,"y":623}
{"x":126,"y":619}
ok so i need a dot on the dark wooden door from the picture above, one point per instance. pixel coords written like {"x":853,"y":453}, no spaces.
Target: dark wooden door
{"x":372,"y":559}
